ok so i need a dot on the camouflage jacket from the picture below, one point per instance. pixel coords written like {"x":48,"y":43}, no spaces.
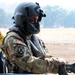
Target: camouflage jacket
{"x":28,"y":58}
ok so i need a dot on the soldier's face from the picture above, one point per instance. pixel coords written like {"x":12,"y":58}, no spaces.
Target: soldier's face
{"x":33,"y":19}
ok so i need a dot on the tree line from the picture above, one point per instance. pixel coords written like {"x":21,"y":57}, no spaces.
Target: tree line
{"x":58,"y":17}
{"x":55,"y":17}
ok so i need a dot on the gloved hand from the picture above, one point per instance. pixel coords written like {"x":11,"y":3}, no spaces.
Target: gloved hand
{"x":62,"y":61}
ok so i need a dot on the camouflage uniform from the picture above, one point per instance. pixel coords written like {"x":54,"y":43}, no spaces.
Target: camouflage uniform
{"x":19,"y":51}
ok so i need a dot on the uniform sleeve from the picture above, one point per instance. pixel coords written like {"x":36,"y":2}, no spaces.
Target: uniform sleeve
{"x":21,"y":55}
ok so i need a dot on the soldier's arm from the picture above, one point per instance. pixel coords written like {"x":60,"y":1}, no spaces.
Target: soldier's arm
{"x":21,"y":55}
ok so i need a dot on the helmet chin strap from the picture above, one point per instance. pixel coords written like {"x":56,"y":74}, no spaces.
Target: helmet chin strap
{"x":36,"y":47}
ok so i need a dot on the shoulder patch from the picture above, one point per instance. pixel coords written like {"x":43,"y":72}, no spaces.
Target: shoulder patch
{"x":20,"y":42}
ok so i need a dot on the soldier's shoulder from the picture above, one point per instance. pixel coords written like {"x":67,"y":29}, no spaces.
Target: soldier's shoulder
{"x":12,"y":36}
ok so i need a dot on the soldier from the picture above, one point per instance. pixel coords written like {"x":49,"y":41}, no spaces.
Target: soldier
{"x":23,"y":49}
{"x":1,"y":62}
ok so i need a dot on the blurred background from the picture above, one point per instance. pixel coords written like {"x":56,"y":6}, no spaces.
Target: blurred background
{"x":59,"y":13}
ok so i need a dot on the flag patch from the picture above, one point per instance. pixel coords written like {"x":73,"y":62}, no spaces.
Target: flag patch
{"x":20,"y":42}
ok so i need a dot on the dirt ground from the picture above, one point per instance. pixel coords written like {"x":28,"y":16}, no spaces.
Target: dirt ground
{"x":66,"y":51}
{"x":60,"y":42}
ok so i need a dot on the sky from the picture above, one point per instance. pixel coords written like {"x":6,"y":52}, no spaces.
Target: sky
{"x":66,"y":4}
